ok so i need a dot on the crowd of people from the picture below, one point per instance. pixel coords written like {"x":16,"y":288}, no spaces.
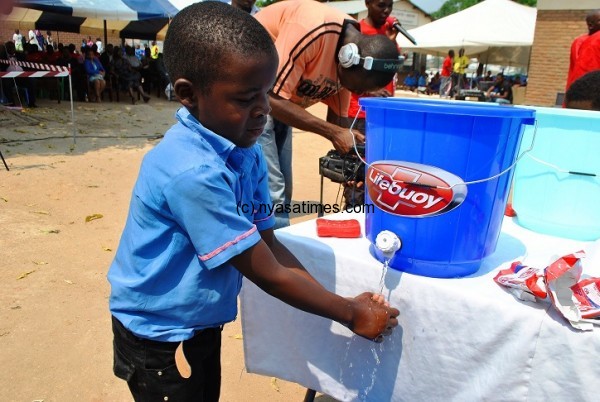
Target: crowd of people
{"x":94,"y":67}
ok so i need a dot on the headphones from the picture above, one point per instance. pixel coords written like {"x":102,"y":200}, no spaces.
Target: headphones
{"x":349,"y":56}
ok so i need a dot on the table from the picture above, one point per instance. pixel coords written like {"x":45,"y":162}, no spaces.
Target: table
{"x":463,"y":339}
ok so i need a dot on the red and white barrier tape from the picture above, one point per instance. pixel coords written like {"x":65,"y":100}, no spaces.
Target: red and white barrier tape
{"x":34,"y":74}
{"x":37,"y":66}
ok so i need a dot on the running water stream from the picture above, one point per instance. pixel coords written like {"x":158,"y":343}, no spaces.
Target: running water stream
{"x":375,"y":347}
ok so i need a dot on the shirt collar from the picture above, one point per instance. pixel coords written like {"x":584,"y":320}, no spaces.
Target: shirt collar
{"x":221,"y":145}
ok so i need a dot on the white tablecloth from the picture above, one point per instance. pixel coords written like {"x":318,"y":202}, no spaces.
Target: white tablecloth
{"x":462,"y":339}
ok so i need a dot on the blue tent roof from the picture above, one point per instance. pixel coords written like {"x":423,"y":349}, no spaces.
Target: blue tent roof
{"x":146,"y":17}
{"x":129,"y":10}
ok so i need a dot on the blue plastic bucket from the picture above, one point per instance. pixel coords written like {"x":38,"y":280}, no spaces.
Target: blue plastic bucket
{"x":557,"y":183}
{"x":422,"y":156}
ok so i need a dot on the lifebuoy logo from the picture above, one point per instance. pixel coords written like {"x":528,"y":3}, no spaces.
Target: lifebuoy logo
{"x":413,"y":189}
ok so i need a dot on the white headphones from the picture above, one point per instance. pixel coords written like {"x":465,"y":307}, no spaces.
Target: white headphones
{"x":349,"y":56}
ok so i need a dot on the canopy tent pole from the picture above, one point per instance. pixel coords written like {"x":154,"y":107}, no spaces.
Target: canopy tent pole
{"x":72,"y":109}
{"x":105,"y":35}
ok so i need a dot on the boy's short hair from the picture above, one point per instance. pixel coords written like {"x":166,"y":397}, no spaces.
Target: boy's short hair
{"x":204,"y":35}
{"x":585,"y":89}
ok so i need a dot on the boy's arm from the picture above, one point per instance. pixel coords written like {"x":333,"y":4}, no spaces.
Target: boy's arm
{"x":296,"y":116}
{"x":285,"y":256}
{"x":366,"y":315}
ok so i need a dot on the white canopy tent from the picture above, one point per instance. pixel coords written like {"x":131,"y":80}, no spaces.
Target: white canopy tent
{"x":496,"y":31}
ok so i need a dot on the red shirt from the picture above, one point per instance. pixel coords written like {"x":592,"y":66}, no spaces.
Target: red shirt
{"x":354,"y":108}
{"x":447,"y":67}
{"x":585,"y":56}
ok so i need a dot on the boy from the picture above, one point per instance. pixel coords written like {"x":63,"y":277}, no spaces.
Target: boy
{"x":195,"y":226}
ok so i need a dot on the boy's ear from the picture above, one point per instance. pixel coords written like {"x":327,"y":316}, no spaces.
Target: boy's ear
{"x":184,"y":90}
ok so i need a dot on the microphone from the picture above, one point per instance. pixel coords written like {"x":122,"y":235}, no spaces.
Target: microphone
{"x":403,"y":31}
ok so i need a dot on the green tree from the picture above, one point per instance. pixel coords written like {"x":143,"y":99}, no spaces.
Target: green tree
{"x":453,"y":6}
{"x":264,"y":3}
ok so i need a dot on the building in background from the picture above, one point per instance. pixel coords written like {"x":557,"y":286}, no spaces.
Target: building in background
{"x":558,"y":23}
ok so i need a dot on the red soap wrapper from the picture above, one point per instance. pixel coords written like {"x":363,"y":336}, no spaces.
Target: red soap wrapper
{"x":348,"y":228}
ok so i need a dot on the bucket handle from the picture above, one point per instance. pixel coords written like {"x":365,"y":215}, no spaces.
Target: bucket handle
{"x":531,"y":121}
{"x":543,"y":162}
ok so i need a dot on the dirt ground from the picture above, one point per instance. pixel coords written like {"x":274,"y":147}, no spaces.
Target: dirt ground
{"x":62,"y":208}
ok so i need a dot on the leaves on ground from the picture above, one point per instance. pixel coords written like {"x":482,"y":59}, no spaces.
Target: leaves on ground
{"x":106,"y":248}
{"x":50,"y":231}
{"x":93,"y":217}
{"x":274,"y":384}
{"x":40,"y":262}
{"x":41,"y":212}
{"x":26,"y":274}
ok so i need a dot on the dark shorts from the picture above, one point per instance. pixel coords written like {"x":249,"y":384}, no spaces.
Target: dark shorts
{"x":150,"y":371}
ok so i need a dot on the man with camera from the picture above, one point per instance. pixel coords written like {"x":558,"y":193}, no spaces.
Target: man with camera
{"x":322,"y":57}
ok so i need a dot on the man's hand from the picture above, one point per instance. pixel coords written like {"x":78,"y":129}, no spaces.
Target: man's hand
{"x":342,"y":140}
{"x":372,"y":316}
{"x":380,"y":93}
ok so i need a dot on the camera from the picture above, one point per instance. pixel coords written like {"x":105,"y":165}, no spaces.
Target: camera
{"x":343,"y":168}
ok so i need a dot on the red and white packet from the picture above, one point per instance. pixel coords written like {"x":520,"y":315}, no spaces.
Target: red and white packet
{"x":576,"y":300}
{"x":525,"y":283}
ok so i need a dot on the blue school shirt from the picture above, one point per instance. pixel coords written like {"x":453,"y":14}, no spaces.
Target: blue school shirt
{"x":195,"y":205}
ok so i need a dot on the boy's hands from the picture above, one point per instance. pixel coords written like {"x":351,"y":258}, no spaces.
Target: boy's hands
{"x":372,"y":316}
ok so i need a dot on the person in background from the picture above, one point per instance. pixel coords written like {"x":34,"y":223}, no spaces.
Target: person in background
{"x":154,"y":51}
{"x":501,"y":91}
{"x":585,"y":49}
{"x":377,"y":22}
{"x":321,"y":59}
{"x":584,"y":92}
{"x":434,"y":85}
{"x":49,"y":39}
{"x":138,"y":52}
{"x":478,"y":76}
{"x":39,"y":37}
{"x":128,"y":76}
{"x":460,"y":66}
{"x":422,"y":80}
{"x":446,"y":76}
{"x":18,"y":41}
{"x":99,"y":46}
{"x":95,"y":73}
{"x":33,"y":39}
{"x":186,"y":244}
{"x":411,"y":81}
{"x":106,"y":58}
{"x":10,"y":86}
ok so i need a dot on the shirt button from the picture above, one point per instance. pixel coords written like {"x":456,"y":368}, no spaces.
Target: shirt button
{"x":159,"y":373}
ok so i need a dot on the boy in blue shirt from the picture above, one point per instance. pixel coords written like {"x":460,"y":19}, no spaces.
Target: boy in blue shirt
{"x":194,"y":225}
